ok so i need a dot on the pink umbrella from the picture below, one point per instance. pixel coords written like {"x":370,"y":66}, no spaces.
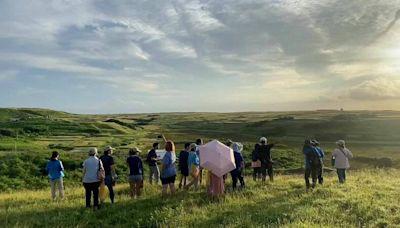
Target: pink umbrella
{"x":217,"y":158}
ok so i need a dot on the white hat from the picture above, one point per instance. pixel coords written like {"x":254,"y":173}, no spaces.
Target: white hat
{"x":341,"y":143}
{"x":263,"y":139}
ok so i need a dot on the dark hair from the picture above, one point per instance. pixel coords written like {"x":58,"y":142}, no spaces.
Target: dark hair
{"x":132,"y":152}
{"x":229,"y":143}
{"x":106,"y":152}
{"x":187,"y":145}
{"x":155,"y":145}
{"x":170,"y":146}
{"x":199,"y":141}
{"x":54,"y":155}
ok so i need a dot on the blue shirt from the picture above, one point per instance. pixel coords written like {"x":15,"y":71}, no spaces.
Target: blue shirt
{"x":193,"y":159}
{"x":320,"y":152}
{"x":168,"y":162}
{"x":55,"y":169}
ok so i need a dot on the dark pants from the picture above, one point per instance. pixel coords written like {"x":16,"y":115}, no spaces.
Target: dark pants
{"x":264,"y":168}
{"x":89,"y":188}
{"x":313,"y":172}
{"x":235,"y":176}
{"x":320,"y":174}
{"x":256,"y":173}
{"x":108,"y":181}
{"x":341,"y":173}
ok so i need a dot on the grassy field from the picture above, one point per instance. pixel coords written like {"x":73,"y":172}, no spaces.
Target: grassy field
{"x":370,"y":198}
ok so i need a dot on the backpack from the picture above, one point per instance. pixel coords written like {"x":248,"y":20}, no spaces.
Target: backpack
{"x":314,"y":158}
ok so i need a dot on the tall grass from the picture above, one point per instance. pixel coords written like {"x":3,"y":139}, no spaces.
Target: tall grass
{"x":370,"y":198}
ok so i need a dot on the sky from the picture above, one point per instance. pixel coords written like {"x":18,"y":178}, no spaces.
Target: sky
{"x":133,"y":56}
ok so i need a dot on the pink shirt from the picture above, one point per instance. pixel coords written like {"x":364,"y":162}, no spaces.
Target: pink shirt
{"x":342,"y":157}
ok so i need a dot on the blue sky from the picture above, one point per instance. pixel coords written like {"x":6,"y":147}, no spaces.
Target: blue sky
{"x":101,"y":56}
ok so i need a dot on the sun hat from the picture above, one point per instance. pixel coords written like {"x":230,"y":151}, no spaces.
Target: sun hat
{"x":237,"y":147}
{"x":341,"y":143}
{"x":108,"y":148}
{"x":93,"y":151}
{"x":135,"y":149}
{"x":192,"y":146}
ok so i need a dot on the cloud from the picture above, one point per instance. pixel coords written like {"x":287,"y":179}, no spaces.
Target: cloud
{"x":376,"y":89}
{"x":287,"y":51}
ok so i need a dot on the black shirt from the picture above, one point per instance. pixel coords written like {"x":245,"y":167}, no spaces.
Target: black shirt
{"x":107,"y":161}
{"x":183,"y":162}
{"x":152,"y":154}
{"x":135,"y":165}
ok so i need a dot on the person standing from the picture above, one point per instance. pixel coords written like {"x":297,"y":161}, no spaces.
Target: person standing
{"x":154,"y":172}
{"x":183,"y":165}
{"x":109,"y":169}
{"x":238,"y":171}
{"x":264,"y":154}
{"x":321,"y":155}
{"x":312,"y":163}
{"x":341,"y":156}
{"x":216,"y":186}
{"x":199,"y":142}
{"x":168,"y":170}
{"x":55,"y":170}
{"x":135,"y":179}
{"x":255,"y":162}
{"x":93,"y":173}
{"x":193,"y":166}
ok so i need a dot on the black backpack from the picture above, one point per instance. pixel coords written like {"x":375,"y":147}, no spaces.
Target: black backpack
{"x":314,"y":158}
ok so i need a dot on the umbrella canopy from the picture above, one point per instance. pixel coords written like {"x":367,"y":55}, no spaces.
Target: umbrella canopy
{"x":217,"y":158}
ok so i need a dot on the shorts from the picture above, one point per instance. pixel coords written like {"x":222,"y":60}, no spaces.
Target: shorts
{"x":168,"y":180}
{"x":135,"y":178}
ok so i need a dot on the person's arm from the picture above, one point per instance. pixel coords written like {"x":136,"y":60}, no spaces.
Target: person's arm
{"x":113,"y":172}
{"x":349,"y":154}
{"x":61,"y":166}
{"x":322,"y":153}
{"x":84,"y":170}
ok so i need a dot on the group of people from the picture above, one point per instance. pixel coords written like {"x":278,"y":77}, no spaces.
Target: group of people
{"x":314,"y":164}
{"x":101,"y":170}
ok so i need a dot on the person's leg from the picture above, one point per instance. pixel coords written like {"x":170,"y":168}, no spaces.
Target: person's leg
{"x":314,"y":175}
{"x":61,"y":188}
{"x":234,"y":179}
{"x":241,"y":179}
{"x":132,"y":188}
{"x":172,"y":188}
{"x":180,"y":181}
{"x":184,"y":180}
{"x":164,"y":189}
{"x":151,"y":173}
{"x":95,"y":188}
{"x":270,"y":172}
{"x":307,"y":176}
{"x":340,"y":175}
{"x":108,"y":181}
{"x":157,"y":174}
{"x":53,"y":189}
{"x":344,"y":175}
{"x":88,"y":193}
{"x":263,"y":170}
{"x":254,"y":174}
{"x":139,"y":186}
{"x":320,"y":174}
